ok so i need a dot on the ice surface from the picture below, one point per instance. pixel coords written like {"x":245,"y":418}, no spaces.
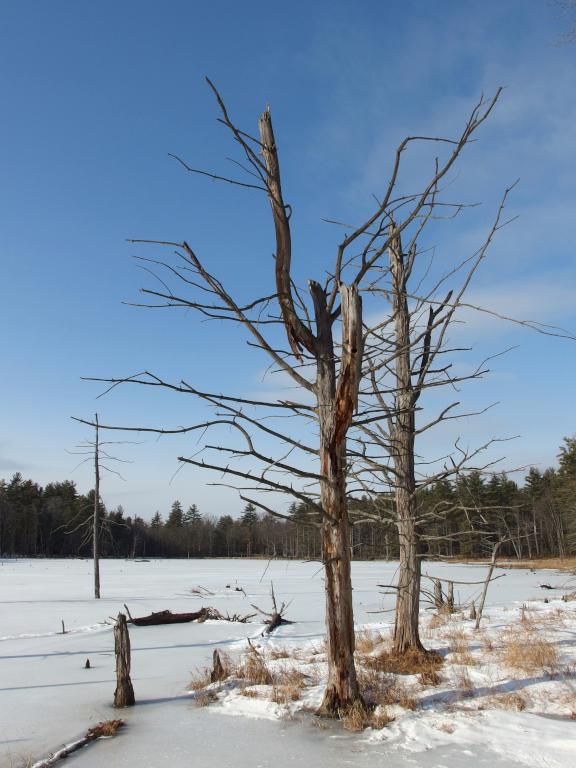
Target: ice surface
{"x":48,"y":699}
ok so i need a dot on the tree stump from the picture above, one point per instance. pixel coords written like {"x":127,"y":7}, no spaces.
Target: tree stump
{"x":473,"y":611}
{"x":450,"y":598}
{"x":218,"y":672}
{"x":438,"y":596}
{"x":124,"y":693}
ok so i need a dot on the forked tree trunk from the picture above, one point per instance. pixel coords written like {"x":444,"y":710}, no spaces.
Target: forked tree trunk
{"x":336,"y":401}
{"x":124,"y":693}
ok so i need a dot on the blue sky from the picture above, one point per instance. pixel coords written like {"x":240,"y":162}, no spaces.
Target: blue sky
{"x":95,"y":96}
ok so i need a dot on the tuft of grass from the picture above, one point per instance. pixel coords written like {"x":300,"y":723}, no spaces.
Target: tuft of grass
{"x":409,"y":663}
{"x":105,"y":729}
{"x":280,"y":653}
{"x":429,"y":677}
{"x":356,"y":717}
{"x":255,"y":670}
{"x":205,"y":698}
{"x":526,"y":649}
{"x":200,"y":679}
{"x":463,"y":681}
{"x":367,"y":640}
{"x":249,"y":692}
{"x":513,"y":701}
{"x":382,"y":689}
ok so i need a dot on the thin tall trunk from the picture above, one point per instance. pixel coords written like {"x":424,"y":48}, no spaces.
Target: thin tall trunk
{"x":487,"y":582}
{"x":96,"y":526}
{"x":406,"y":635}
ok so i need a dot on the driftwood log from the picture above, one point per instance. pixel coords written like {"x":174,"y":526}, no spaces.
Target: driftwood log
{"x":124,"y":693}
{"x":101,"y":731}
{"x":167,"y":617}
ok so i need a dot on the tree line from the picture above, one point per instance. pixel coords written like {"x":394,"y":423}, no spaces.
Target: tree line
{"x":535,"y":519}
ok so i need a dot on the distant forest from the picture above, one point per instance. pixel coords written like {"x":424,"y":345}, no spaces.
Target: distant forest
{"x":464,"y":518}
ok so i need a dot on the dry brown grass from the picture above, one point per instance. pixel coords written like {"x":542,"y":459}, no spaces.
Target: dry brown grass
{"x":429,"y":677}
{"x":526,"y":649}
{"x":283,"y":694}
{"x":105,"y":729}
{"x":250,"y":693}
{"x":514,"y":701}
{"x":367,"y":640}
{"x":281,"y":653}
{"x":459,"y":646}
{"x":486,"y":642}
{"x":205,"y":698}
{"x":463,"y":681}
{"x":356,"y":718}
{"x":438,"y":620}
{"x":200,"y":679}
{"x":254,"y":670}
{"x":558,"y":563}
{"x":409,"y":663}
{"x":382,"y":689}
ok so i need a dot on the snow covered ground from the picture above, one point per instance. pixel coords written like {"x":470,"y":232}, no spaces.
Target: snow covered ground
{"x":483,"y":712}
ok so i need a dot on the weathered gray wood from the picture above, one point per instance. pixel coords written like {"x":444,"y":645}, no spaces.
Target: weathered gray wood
{"x":124,"y":693}
{"x":406,"y":633}
{"x":438,"y":594}
{"x":96,"y":521}
{"x":486,"y":583}
{"x":336,"y":399}
{"x":218,"y":672}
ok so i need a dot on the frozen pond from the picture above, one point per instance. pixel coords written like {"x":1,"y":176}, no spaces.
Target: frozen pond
{"x":47,"y":698}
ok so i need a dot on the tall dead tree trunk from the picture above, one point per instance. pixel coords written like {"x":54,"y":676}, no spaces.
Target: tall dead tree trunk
{"x":336,"y":400}
{"x":124,"y":693}
{"x":96,"y":524}
{"x":406,"y":635}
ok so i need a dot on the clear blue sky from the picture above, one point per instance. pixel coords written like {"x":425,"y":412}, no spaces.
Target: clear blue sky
{"x":95,"y":94}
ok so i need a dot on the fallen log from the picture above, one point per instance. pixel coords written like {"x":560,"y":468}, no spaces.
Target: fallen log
{"x":101,"y":731}
{"x":167,"y":617}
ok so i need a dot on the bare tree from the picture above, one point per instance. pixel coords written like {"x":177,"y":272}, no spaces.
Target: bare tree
{"x":325,"y":349}
{"x":94,"y":452}
{"x":409,"y":354}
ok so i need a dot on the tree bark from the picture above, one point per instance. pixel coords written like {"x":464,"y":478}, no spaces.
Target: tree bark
{"x":336,"y":401}
{"x":96,"y":526}
{"x":406,"y":634}
{"x":124,"y":693}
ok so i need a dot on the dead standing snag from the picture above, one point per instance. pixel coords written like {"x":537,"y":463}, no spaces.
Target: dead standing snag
{"x":124,"y":693}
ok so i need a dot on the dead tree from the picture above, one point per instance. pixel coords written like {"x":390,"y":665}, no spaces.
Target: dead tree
{"x":96,"y":521}
{"x":124,"y":693}
{"x":275,"y":617}
{"x":323,"y":356}
{"x":95,"y":525}
{"x":408,"y":354}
